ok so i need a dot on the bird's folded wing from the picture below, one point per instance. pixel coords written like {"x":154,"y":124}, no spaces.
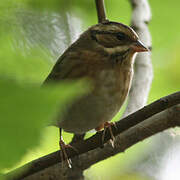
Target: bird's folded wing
{"x":68,"y":66}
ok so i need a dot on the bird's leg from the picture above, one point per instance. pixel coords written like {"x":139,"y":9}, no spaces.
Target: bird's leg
{"x":63,"y":147}
{"x":107,"y":125}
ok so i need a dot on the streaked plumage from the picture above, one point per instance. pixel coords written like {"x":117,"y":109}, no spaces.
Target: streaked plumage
{"x":104,"y":54}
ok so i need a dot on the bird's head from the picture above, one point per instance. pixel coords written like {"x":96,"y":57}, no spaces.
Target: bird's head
{"x":116,"y":38}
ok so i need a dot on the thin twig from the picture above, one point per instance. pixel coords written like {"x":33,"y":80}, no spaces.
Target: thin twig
{"x":96,"y":140}
{"x":101,"y":12}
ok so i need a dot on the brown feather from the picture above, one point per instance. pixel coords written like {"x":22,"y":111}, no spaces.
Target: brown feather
{"x":108,"y":63}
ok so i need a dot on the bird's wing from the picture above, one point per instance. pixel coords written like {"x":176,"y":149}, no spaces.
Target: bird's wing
{"x":68,"y":66}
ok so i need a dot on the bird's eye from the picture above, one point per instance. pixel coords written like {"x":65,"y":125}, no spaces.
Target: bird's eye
{"x":121,"y":36}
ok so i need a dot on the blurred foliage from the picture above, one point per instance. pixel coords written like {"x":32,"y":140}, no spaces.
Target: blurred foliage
{"x":25,"y":108}
{"x":35,"y":32}
{"x":24,"y":115}
{"x":24,"y":111}
{"x":21,"y":66}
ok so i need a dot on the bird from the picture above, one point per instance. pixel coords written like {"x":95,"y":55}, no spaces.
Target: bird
{"x":104,"y":55}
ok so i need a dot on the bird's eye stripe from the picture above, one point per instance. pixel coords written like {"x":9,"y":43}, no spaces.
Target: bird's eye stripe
{"x":117,"y":34}
{"x":102,"y":32}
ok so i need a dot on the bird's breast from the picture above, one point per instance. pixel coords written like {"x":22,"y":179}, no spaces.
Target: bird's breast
{"x":112,"y":88}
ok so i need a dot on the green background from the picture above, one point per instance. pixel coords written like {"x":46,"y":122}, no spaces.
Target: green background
{"x":25,"y":61}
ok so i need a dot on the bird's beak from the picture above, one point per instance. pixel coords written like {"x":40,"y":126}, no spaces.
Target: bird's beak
{"x":138,"y":46}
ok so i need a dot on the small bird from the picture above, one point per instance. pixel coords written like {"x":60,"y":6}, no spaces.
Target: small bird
{"x":104,"y":54}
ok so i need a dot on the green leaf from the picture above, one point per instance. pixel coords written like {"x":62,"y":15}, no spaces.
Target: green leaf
{"x":24,"y":111}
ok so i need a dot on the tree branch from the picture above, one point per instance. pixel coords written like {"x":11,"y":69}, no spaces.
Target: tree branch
{"x":101,"y":12}
{"x":96,"y":140}
{"x":157,"y":123}
{"x":143,"y":72}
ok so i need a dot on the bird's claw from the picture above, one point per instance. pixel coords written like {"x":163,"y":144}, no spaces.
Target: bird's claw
{"x":108,"y":125}
{"x":63,"y":153}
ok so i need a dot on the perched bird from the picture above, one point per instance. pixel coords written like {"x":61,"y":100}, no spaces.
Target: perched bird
{"x":104,"y":54}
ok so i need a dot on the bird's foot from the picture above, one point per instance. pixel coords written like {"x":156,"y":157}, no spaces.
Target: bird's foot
{"x":107,"y":126}
{"x":63,"y":147}
{"x":63,"y":153}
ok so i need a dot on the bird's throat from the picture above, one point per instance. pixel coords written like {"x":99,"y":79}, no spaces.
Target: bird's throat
{"x":121,"y":55}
